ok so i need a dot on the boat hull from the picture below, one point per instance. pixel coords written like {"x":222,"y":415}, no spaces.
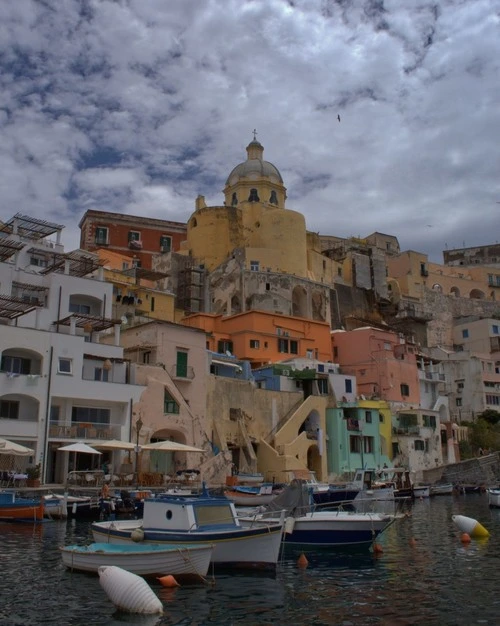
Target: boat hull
{"x":240,"y":547}
{"x":422,"y":491}
{"x":494,"y":498}
{"x":442,"y":490}
{"x":143,"y":560}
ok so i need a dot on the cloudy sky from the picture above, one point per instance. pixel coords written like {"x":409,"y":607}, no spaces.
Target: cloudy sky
{"x":138,"y":106}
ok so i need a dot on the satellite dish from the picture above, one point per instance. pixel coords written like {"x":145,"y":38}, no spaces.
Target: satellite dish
{"x":228,"y":353}
{"x":124,"y":319}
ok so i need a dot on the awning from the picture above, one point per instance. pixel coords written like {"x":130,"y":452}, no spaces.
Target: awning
{"x":221,"y":362}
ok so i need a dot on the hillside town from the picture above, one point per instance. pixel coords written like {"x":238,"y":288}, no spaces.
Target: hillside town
{"x":273,"y":349}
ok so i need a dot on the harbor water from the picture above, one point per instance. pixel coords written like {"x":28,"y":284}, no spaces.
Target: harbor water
{"x":424,"y":575}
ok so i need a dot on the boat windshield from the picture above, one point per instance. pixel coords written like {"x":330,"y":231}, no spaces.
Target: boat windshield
{"x":214,"y":515}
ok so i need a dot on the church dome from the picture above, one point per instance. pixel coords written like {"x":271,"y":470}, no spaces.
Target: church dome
{"x":254,"y":165}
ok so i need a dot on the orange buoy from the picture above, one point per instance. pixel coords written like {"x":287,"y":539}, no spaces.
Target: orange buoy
{"x":413,"y":542}
{"x":168,"y":581}
{"x":302,"y":561}
{"x":377,"y":548}
{"x":465,"y":538}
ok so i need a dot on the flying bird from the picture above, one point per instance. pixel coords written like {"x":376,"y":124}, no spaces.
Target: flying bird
{"x":338,"y":117}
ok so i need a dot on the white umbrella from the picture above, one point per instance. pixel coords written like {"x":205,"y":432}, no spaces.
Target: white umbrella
{"x":79,"y":446}
{"x":9,"y":447}
{"x":171,"y":446}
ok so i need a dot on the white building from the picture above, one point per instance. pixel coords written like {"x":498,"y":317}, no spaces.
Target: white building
{"x":58,"y":383}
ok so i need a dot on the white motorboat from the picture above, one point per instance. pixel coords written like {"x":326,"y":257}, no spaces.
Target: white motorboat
{"x":311,"y":525}
{"x":493,"y":497}
{"x":442,"y":489}
{"x":200,"y":519}
{"x":142,"y":559}
{"x":422,"y":491}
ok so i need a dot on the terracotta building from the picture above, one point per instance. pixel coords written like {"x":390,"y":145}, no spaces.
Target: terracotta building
{"x":136,"y":236}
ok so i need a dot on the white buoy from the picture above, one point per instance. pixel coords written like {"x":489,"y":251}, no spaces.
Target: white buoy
{"x":470,"y":526}
{"x":137,"y":535}
{"x":128,"y":591}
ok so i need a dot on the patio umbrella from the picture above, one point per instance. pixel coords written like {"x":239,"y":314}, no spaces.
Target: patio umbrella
{"x":15,"y":449}
{"x":171,"y":446}
{"x":77,"y":447}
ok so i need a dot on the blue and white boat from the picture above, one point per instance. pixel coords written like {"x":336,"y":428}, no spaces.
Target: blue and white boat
{"x":202,"y":519}
{"x":310,"y":525}
{"x":141,"y":559}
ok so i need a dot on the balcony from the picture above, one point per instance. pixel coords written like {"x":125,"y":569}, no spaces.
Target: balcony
{"x":186,"y":376}
{"x":84,"y":430}
{"x":135,"y":244}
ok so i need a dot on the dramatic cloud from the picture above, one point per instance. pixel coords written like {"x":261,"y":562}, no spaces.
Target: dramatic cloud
{"x":138,"y":106}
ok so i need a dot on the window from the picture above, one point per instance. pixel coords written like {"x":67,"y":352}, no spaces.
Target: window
{"x":9,"y":409}
{"x":181,"y":364}
{"x":234,"y":199}
{"x":273,"y":199}
{"x":494,"y":328}
{"x":381,"y":418}
{"x":169,"y":404}
{"x":405,"y":389}
{"x":38,"y":261}
{"x":65,"y":366}
{"x":16,"y":365}
{"x":254,"y":196}
{"x":152,"y":303}
{"x":429,"y":421}
{"x":254,"y":344}
{"x":146,"y":357}
{"x":101,"y":374}
{"x":465,"y":333}
{"x":354,"y":444}
{"x":133,"y":235}
{"x":419,"y":445}
{"x":294,"y":346}
{"x":348,"y":385}
{"x":254,"y":266}
{"x":75,"y":307}
{"x":458,"y":401}
{"x":101,"y":236}
{"x":336,"y":353}
{"x":92,"y":415}
{"x":368,"y":444}
{"x":387,"y":345}
{"x":368,"y":417}
{"x":309,"y":354}
{"x":136,"y":263}
{"x":323,"y":386}
{"x":165,"y":243}
{"x":224,"y":346}
{"x":125,"y":265}
{"x":283,"y":345}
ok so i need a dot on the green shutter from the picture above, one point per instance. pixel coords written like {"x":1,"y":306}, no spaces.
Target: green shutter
{"x":182,"y":364}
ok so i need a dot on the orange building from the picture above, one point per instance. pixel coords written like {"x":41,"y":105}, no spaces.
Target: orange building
{"x":262,"y":338}
{"x":137,"y":237}
{"x":385,"y":366}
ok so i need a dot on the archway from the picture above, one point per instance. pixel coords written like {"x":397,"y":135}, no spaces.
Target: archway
{"x":476,"y":294}
{"x":299,"y":302}
{"x":455,"y":291}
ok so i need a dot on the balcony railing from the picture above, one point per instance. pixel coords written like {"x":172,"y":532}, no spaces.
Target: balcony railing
{"x":175,"y":375}
{"x":84,"y":430}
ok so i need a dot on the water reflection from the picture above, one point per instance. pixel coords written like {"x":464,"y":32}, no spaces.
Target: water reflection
{"x":425,"y":575}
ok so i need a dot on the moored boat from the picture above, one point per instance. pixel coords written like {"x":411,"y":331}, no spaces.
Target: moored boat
{"x":201,"y":519}
{"x":422,"y":491}
{"x":493,"y":497}
{"x":442,"y":489}
{"x":142,"y":559}
{"x":310,"y":525}
{"x":14,"y":508}
{"x":247,"y":495}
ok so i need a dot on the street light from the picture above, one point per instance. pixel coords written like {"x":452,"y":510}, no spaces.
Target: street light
{"x":138,"y":426}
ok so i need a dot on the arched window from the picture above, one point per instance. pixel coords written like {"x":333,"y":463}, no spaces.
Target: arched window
{"x":455,"y":291}
{"x":234,"y":199}
{"x":437,"y":287}
{"x":254,"y":196}
{"x":274,"y":198}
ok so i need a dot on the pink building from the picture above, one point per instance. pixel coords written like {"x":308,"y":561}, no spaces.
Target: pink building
{"x":385,"y":366}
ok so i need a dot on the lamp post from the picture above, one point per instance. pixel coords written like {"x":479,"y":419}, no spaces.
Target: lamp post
{"x":138,"y":426}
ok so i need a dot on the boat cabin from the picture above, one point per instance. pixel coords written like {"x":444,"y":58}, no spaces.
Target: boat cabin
{"x":199,"y":513}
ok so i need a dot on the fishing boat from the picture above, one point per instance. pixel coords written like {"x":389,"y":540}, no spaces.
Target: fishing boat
{"x":421,"y":491}
{"x":442,"y":489}
{"x":399,"y":479}
{"x":493,"y":497}
{"x":362,"y":488}
{"x":59,"y":505}
{"x":247,"y":495}
{"x":310,"y":525}
{"x":14,"y":508}
{"x":170,"y":519}
{"x":141,"y":559}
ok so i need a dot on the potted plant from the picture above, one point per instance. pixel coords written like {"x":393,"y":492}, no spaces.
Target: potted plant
{"x":33,"y":473}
